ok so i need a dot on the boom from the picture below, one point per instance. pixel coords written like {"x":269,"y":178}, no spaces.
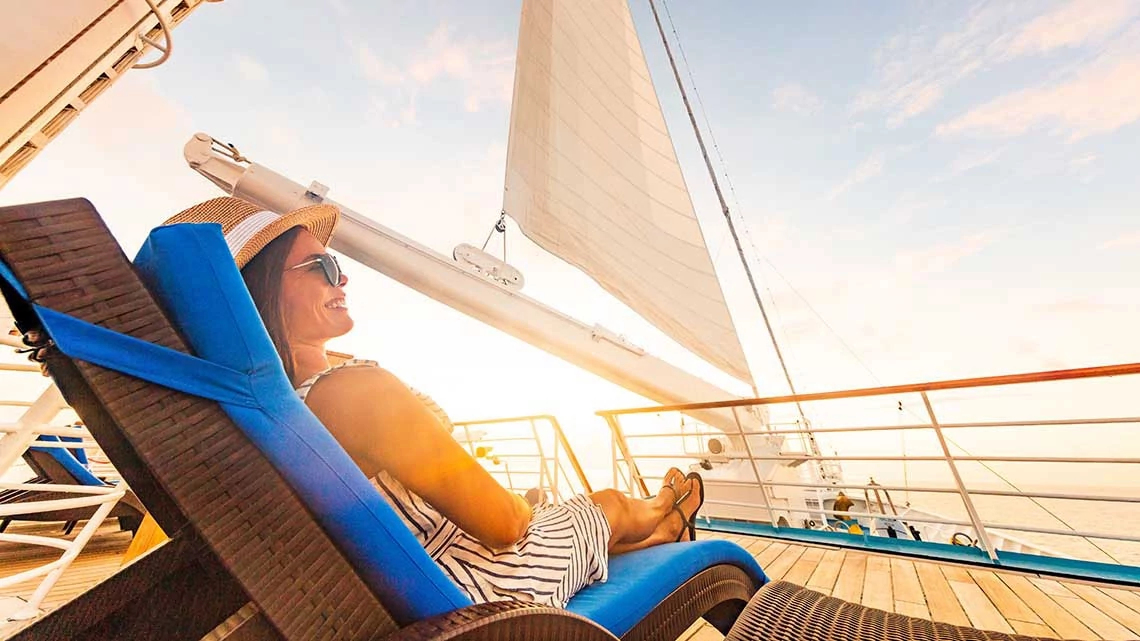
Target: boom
{"x":451,"y":283}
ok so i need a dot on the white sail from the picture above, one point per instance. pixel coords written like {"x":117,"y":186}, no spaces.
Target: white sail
{"x":592,"y":176}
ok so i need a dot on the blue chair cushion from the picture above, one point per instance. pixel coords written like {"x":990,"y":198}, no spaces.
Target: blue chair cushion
{"x":190,"y":271}
{"x":640,"y":580}
{"x":67,"y":460}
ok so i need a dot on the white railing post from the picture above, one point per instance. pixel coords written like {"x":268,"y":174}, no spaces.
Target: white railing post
{"x":755,"y":470}
{"x":543,"y":471}
{"x":979,"y":528}
{"x":631,"y":467}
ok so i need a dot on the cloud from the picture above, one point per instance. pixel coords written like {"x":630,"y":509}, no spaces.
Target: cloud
{"x":941,"y":257}
{"x":485,"y":70}
{"x":249,"y":69}
{"x":796,"y":99}
{"x":375,"y":69}
{"x":912,"y":205}
{"x":968,"y":162}
{"x":394,"y":118}
{"x":870,"y":167}
{"x":915,"y":69}
{"x":1098,"y":98}
{"x":1120,"y":242}
{"x":482,"y":70}
{"x":1072,"y":25}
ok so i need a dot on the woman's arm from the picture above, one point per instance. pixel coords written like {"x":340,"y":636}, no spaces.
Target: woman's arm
{"x":384,"y":426}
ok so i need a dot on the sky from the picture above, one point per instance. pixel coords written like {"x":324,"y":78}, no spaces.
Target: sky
{"x":928,"y":190}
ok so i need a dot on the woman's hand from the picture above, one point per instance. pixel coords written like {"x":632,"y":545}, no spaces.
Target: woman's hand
{"x":384,"y":426}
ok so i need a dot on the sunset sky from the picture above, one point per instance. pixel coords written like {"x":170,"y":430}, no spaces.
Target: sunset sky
{"x":930,"y":189}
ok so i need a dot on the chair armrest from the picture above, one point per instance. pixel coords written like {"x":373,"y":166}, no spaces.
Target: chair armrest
{"x":504,"y":621}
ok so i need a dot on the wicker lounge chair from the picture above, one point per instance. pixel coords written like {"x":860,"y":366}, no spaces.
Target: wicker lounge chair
{"x":62,"y":467}
{"x":260,"y":502}
{"x":783,"y":611}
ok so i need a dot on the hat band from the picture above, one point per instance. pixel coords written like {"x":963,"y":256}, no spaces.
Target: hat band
{"x":244,"y":231}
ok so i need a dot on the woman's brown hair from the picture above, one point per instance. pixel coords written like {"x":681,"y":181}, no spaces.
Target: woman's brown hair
{"x":263,"y":275}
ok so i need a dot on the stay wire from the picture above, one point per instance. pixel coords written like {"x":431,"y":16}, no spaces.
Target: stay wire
{"x":814,"y":311}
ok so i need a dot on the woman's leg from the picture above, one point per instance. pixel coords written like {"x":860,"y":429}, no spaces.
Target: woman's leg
{"x":635,"y":520}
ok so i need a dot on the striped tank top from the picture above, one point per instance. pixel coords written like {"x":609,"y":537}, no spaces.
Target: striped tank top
{"x":564,"y":549}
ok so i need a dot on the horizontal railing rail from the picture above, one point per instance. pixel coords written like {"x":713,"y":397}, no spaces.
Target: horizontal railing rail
{"x":625,"y":459}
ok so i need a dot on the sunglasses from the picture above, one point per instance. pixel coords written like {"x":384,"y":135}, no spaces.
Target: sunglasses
{"x":329,"y":267}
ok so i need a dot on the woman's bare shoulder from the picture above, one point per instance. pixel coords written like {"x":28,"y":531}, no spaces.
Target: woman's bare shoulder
{"x":351,"y":385}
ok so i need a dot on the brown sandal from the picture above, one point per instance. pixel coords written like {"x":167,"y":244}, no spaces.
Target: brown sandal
{"x":688,"y":522}
{"x":692,"y":522}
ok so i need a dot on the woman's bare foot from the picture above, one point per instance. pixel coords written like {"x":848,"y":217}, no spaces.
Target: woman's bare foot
{"x":671,"y":484}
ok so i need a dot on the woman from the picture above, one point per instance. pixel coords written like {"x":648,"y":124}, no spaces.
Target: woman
{"x":488,"y":539}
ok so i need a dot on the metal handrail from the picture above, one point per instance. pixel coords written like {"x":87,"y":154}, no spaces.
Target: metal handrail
{"x":947,"y":490}
{"x":959,"y":487}
{"x":1103,"y":371}
{"x":559,"y":435}
{"x":1076,"y":422}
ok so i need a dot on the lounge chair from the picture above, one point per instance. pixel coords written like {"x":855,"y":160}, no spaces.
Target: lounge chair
{"x":64,"y":467}
{"x":260,"y":501}
{"x":784,"y":611}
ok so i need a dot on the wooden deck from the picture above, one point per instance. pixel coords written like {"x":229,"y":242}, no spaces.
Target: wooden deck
{"x":1002,"y":601}
{"x":962,"y":595}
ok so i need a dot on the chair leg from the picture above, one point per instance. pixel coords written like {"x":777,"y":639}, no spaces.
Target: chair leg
{"x":4,"y":524}
{"x":68,"y":527}
{"x":177,"y":591}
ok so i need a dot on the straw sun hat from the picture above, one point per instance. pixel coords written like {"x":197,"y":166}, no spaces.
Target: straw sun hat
{"x":249,"y":228}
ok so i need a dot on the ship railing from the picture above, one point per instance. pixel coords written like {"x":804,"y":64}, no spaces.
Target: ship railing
{"x":525,"y":453}
{"x":15,"y":437}
{"x":645,"y":448}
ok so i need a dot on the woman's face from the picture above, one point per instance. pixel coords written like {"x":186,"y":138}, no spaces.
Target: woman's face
{"x":314,"y":310}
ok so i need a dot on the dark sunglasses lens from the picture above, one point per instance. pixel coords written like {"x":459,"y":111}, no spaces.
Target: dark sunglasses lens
{"x":331,"y":268}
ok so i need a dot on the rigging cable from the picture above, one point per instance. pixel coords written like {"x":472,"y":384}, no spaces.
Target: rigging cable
{"x":725,"y":210}
{"x":748,"y":236}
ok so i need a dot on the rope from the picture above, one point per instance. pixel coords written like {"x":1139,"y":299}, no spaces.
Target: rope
{"x":165,"y":26}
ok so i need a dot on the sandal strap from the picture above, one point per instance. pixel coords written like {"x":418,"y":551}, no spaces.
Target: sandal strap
{"x":686,"y":526}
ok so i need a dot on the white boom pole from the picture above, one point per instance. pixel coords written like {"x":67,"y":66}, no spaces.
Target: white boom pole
{"x":443,"y":279}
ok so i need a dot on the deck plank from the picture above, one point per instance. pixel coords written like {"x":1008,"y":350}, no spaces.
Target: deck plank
{"x":1050,"y":587}
{"x":877,"y":592}
{"x":956,"y":573}
{"x":1006,"y":601}
{"x":692,"y":630}
{"x":706,"y":633}
{"x":756,"y":546}
{"x":940,"y":599}
{"x":770,"y":554}
{"x":1121,"y":613}
{"x":1032,"y":629}
{"x":805,"y":566}
{"x":912,"y":609}
{"x":1097,"y":621}
{"x":980,"y":610}
{"x":783,"y":563}
{"x":904,"y":580}
{"x":849,"y":585}
{"x":1130,"y":598}
{"x":1063,"y":623}
{"x":823,"y":579}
